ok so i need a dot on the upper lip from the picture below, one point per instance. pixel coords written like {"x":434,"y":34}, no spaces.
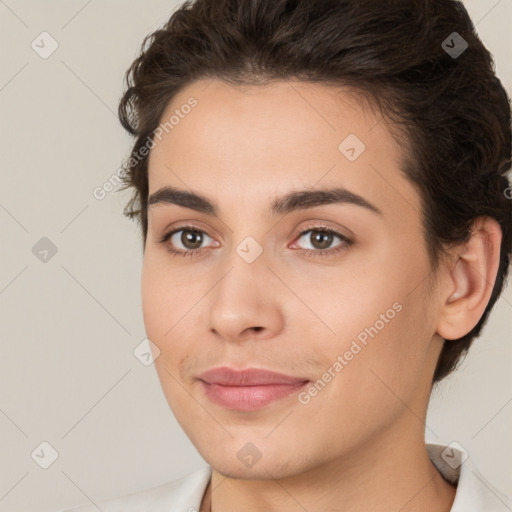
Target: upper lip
{"x":226,"y":376}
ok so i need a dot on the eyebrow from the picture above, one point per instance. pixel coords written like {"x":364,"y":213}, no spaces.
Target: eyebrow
{"x":292,"y":201}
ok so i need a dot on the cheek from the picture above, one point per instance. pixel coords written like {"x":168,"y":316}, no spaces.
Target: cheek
{"x":164,"y":292}
{"x":347,"y":301}
{"x":371,"y":369}
{"x":153,"y":293}
{"x":163,"y":306}
{"x":379,"y":320}
{"x":170,"y":305}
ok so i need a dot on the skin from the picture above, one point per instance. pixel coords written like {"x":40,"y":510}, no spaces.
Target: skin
{"x":359,"y":444}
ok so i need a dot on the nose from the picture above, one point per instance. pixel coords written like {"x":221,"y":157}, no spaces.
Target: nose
{"x":246,"y":302}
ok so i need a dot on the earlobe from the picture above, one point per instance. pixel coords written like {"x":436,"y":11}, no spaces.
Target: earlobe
{"x":471,"y":281}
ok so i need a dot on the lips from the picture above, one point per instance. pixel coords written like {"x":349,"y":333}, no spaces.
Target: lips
{"x":248,"y":389}
{"x":251,"y":377}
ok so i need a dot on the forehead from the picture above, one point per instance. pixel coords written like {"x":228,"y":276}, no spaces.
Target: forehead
{"x":257,"y":141}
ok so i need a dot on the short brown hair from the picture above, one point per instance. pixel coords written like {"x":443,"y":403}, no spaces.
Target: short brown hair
{"x":452,"y":109}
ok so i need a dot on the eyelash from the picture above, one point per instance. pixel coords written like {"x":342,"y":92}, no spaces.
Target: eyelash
{"x":308,"y":252}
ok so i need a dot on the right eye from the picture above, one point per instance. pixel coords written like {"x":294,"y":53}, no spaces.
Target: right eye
{"x":191,"y":238}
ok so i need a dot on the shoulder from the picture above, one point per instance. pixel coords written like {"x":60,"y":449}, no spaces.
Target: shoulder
{"x":181,"y":495}
{"x":474,"y":492}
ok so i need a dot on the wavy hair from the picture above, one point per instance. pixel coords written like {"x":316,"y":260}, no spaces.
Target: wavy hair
{"x":451,"y":110}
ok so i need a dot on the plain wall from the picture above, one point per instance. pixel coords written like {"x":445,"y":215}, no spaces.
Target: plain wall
{"x":70,"y":325}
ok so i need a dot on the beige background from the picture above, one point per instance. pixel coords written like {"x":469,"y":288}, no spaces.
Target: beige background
{"x":70,"y":325}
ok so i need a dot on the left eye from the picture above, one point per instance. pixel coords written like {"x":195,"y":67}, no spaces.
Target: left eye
{"x":322,"y":238}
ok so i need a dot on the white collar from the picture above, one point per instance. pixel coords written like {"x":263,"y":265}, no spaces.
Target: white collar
{"x":474,"y":492}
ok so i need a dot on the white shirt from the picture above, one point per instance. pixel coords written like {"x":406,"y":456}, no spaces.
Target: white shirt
{"x":474,"y":493}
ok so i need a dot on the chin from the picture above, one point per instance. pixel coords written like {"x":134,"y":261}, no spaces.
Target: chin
{"x":261,"y":471}
{"x":238,"y":463}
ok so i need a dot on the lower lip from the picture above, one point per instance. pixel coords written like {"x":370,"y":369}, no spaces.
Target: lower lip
{"x":248,"y":398}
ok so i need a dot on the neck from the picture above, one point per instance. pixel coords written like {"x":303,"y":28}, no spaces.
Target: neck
{"x":385,"y":476}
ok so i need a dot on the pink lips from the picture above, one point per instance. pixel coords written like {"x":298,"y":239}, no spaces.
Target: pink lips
{"x":248,"y":389}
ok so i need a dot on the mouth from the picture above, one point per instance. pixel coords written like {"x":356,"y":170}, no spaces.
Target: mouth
{"x":250,"y":389}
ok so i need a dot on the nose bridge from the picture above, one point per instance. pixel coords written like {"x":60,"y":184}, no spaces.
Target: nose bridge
{"x":245,"y":273}
{"x":242,"y":298}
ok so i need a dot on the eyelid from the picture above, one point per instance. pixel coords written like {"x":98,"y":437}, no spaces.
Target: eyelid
{"x":195,"y":226}
{"x":319,"y":225}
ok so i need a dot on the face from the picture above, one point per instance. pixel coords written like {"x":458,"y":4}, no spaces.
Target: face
{"x":327,"y":290}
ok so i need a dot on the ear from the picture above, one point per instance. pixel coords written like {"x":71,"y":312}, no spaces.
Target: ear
{"x":470,"y":281}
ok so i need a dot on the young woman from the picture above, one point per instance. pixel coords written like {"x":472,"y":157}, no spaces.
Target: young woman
{"x":322,"y":191}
